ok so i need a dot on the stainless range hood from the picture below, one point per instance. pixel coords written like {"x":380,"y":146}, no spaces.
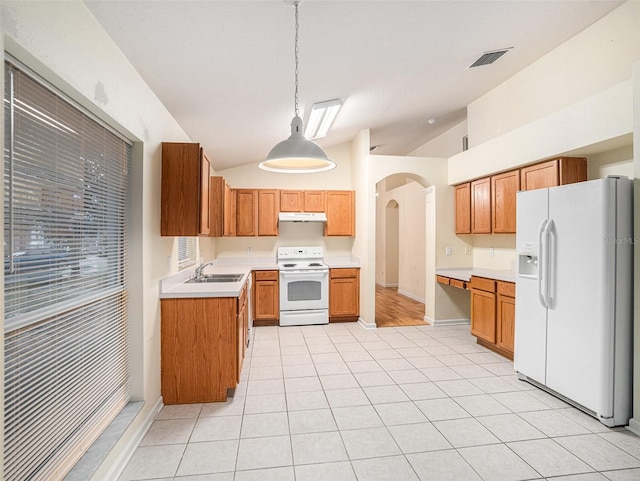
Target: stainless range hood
{"x":302,"y":217}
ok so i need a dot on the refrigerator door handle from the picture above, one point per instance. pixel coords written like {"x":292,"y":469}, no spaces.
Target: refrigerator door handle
{"x":549,"y":232}
{"x":542,"y":271}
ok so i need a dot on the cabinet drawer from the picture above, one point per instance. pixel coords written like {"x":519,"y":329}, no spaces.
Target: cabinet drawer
{"x":483,"y":284}
{"x":458,"y":283}
{"x":266,"y":275}
{"x":507,"y":289}
{"x":343,"y":273}
{"x":443,"y":280}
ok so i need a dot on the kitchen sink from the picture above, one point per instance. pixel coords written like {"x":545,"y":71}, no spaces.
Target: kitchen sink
{"x":217,"y":278}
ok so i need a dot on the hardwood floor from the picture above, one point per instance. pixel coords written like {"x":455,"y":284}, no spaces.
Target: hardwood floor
{"x":393,"y":309}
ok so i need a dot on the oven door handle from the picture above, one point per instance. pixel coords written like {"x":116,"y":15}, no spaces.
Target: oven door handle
{"x":311,"y":273}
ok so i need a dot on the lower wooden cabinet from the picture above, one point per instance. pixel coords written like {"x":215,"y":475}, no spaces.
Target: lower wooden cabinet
{"x":493,"y":314}
{"x":203,"y":343}
{"x":266,"y":298}
{"x":483,"y":308}
{"x":506,"y":315}
{"x":344,"y":294}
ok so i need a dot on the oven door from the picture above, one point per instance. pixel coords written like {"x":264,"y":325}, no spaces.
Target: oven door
{"x":304,"y":290}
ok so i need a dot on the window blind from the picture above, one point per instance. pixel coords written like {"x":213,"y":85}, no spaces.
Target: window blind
{"x":186,"y":251}
{"x":65,"y":273}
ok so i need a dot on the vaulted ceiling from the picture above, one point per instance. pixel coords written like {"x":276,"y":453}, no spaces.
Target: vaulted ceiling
{"x":225,"y":69}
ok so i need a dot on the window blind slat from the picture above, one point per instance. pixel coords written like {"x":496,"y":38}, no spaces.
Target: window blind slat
{"x":65,"y":200}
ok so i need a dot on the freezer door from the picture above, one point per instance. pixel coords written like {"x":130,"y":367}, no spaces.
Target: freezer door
{"x":531,"y":315}
{"x":580,"y":325}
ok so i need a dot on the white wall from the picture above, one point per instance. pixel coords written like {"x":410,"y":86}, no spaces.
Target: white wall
{"x":410,"y":232}
{"x":591,"y":62}
{"x":64,"y":43}
{"x":445,"y":145}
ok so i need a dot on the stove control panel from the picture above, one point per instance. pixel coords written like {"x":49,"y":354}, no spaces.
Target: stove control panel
{"x":300,"y":253}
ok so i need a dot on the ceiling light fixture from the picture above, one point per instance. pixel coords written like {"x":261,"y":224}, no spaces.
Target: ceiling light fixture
{"x":321,"y":118}
{"x":297,"y":154}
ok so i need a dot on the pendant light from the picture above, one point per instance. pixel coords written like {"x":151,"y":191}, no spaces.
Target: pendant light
{"x":297,"y":154}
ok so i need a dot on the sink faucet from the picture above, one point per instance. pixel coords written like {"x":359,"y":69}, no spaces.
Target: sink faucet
{"x":198,"y":272}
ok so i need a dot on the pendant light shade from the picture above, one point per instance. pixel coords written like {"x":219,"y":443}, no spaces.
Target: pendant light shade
{"x":297,"y":154}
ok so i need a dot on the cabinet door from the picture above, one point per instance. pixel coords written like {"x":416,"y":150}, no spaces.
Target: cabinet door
{"x":503,"y":191}
{"x":314,"y":200}
{"x":483,"y":315}
{"x":340,"y":209}
{"x":463,"y":208}
{"x":205,"y":169}
{"x":505,"y":320}
{"x":229,"y":213}
{"x":481,"y":206}
{"x":344,"y":294}
{"x":198,"y":349}
{"x":291,"y":201}
{"x":268,"y":209}
{"x":184,"y":172}
{"x":216,"y":206}
{"x":540,"y":176}
{"x":571,"y":170}
{"x":266,"y":294}
{"x":246,"y":212}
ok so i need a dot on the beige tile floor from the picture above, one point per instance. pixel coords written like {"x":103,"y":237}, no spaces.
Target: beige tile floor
{"x":341,"y":403}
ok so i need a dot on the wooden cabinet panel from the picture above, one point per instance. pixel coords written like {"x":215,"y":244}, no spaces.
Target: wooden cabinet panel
{"x":246,"y":212}
{"x":184,"y":190}
{"x":504,"y":188}
{"x":291,"y":201}
{"x":302,"y":200}
{"x":242,"y":331}
{"x":314,"y":200}
{"x":483,"y":314}
{"x":268,"y":209}
{"x":266,"y":298}
{"x":229,"y":211}
{"x":222,"y":208}
{"x":344,"y":294}
{"x":463,"y":208}
{"x":481,"y":206}
{"x":199,"y":346}
{"x":506,"y":316}
{"x":560,"y":171}
{"x":340,"y":209}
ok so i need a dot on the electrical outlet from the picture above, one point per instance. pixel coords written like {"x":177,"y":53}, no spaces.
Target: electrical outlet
{"x":492,"y":251}
{"x":249,"y":251}
{"x":448,"y":250}
{"x":467,"y":250}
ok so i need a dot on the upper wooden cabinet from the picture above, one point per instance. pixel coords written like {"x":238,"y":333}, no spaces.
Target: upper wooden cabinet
{"x":481,"y":206}
{"x":302,"y":200}
{"x":341,"y":213}
{"x":222,"y":208}
{"x":185,"y":190}
{"x":463,"y":208}
{"x":268,"y":208}
{"x":246,"y":212}
{"x":560,"y":171}
{"x":314,"y":200}
{"x":504,"y":188}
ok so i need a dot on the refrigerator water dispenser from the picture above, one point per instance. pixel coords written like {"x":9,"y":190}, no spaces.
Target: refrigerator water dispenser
{"x":528,"y":265}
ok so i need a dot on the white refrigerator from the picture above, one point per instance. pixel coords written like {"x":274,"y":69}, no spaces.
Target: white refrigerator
{"x":574,"y":294}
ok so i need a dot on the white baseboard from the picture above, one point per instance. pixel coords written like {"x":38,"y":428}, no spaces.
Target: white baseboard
{"x":447,"y":322}
{"x":634,"y":426}
{"x":411,"y":296}
{"x":118,"y":466}
{"x":367,"y":325}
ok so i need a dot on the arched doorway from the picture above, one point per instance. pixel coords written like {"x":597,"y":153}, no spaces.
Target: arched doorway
{"x":400,"y":251}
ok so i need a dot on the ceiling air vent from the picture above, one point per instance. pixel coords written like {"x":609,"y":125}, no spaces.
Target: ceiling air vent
{"x":489,"y":57}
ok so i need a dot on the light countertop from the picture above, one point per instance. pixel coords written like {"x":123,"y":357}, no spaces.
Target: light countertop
{"x":175,"y":285}
{"x":465,"y":273}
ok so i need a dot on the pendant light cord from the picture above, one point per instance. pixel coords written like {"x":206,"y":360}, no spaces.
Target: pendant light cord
{"x":296,"y":57}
